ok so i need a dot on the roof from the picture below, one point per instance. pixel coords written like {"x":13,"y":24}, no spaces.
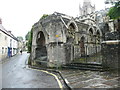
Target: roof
{"x":7,"y":33}
{"x":58,"y":16}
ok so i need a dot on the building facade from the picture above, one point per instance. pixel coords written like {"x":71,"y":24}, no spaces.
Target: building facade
{"x":8,"y":43}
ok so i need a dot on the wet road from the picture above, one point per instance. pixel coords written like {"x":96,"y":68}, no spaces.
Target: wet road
{"x":15,"y":74}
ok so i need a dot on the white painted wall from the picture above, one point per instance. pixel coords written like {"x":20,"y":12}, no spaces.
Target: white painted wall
{"x":5,"y":42}
{"x":3,"y":45}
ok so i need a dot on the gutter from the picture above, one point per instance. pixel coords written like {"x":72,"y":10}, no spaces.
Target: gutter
{"x":56,"y":71}
{"x":13,"y":37}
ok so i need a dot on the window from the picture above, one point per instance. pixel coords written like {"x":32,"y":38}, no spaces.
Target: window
{"x":5,"y":50}
{"x":10,"y":42}
{"x":98,"y":37}
{"x":2,"y":50}
{"x":5,"y":37}
{"x":91,"y":35}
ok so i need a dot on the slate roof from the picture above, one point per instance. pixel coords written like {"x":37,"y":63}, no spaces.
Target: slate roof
{"x":2,"y":29}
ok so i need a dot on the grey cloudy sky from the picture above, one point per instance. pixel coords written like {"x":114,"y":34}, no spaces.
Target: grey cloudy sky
{"x":19,"y":15}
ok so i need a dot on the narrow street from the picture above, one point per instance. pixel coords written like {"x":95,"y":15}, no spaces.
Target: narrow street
{"x":15,"y":74}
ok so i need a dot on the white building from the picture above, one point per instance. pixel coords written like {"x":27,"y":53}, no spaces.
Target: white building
{"x":8,"y":43}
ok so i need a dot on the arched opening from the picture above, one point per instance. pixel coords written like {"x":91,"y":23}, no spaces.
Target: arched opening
{"x":90,"y":35}
{"x":40,"y":39}
{"x":97,"y":37}
{"x":71,"y":33}
{"x":41,"y":51}
{"x":82,"y":46}
{"x":70,"y":42}
{"x":106,"y":28}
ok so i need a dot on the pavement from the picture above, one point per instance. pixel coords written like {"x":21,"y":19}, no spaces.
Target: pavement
{"x":90,"y":79}
{"x":16,"y":74}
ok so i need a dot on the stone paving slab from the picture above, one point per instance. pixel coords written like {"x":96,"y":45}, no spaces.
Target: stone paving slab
{"x":90,"y":79}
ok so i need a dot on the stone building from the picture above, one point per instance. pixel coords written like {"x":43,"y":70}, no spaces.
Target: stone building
{"x":59,"y":39}
{"x":87,"y":8}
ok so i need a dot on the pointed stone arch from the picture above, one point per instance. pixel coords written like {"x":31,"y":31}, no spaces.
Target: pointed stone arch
{"x":99,"y":31}
{"x":82,"y":46}
{"x":72,"y":29}
{"x":91,"y":28}
{"x":41,"y":50}
{"x":40,"y":39}
{"x":72,"y":22}
{"x":91,"y":33}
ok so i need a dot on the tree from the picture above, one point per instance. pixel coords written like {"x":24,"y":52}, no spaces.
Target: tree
{"x":114,"y":12}
{"x":27,"y":36}
{"x":20,"y":38}
{"x":44,"y":16}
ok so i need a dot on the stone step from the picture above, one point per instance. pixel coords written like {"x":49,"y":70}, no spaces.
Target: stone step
{"x":82,"y":68}
{"x":87,"y":64}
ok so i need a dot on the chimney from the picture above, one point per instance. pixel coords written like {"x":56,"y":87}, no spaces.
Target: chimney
{"x":9,"y":31}
{"x":0,"y":21}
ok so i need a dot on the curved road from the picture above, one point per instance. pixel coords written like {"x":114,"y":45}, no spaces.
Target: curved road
{"x":16,"y":75}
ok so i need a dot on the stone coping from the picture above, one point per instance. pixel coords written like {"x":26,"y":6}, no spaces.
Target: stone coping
{"x":111,"y":42}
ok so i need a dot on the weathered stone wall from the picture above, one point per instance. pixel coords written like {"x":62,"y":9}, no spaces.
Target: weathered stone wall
{"x":77,"y":53}
{"x":45,"y":45}
{"x":69,"y":53}
{"x":110,"y":55}
{"x":56,"y":55}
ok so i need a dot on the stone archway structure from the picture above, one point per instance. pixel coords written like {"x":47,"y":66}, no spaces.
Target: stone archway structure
{"x":91,"y":39}
{"x":55,"y":40}
{"x":82,"y":46}
{"x":71,"y":33}
{"x":41,"y":50}
{"x":73,"y":23}
{"x":71,"y":40}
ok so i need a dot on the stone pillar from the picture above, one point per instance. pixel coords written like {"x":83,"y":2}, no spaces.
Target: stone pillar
{"x":56,"y":55}
{"x":111,"y":54}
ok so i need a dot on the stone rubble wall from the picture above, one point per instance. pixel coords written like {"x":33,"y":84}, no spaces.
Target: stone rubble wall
{"x":110,"y":54}
{"x":56,"y":55}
